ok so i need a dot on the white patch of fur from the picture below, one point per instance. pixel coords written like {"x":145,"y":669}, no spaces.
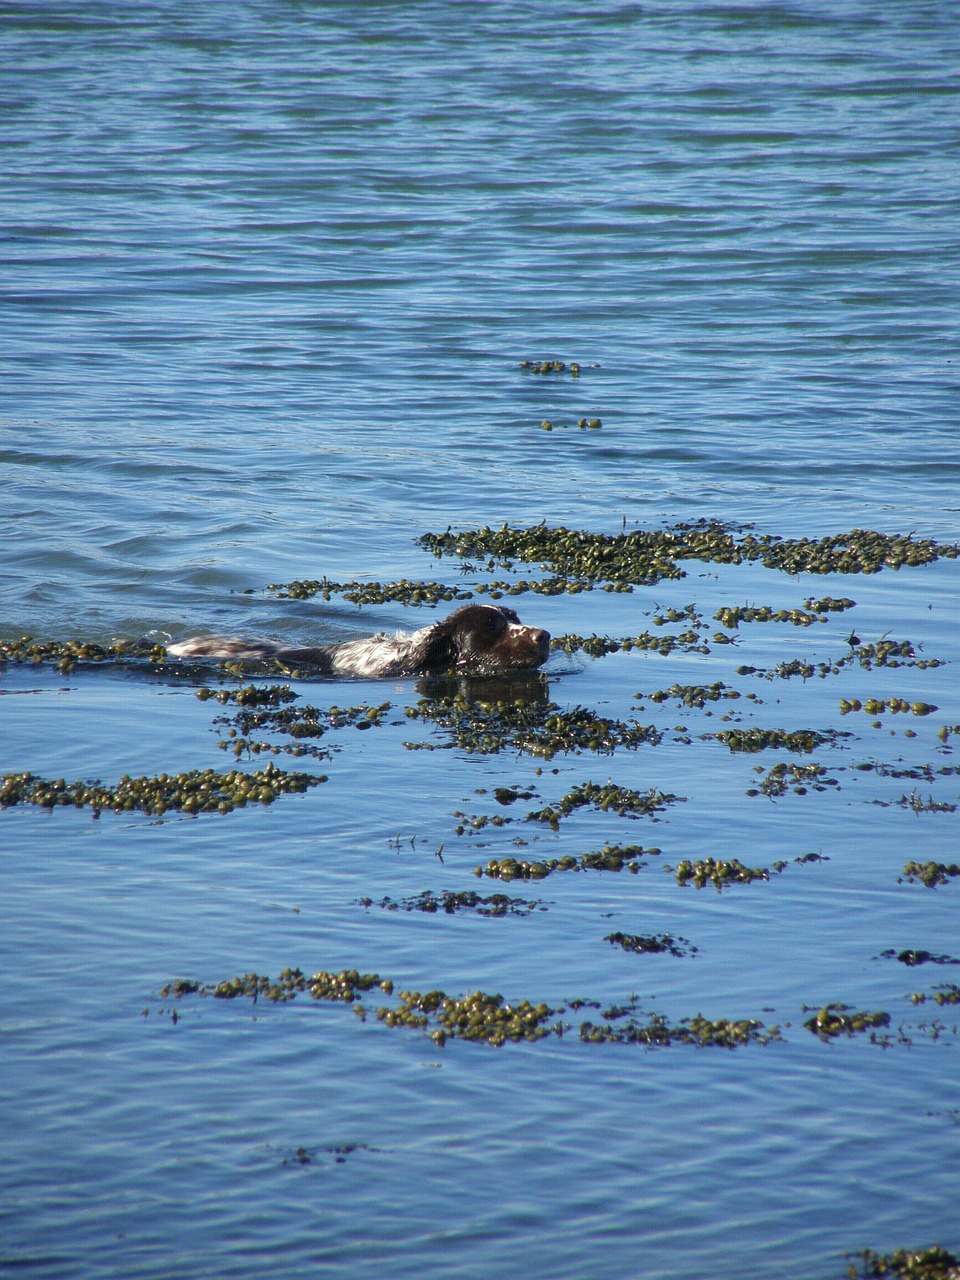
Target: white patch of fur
{"x":379,"y":655}
{"x":240,"y":648}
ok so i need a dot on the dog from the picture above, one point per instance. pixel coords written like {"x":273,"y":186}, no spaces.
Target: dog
{"x":476,"y":639}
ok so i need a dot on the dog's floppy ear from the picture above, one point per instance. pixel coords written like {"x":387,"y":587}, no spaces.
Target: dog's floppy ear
{"x":438,"y":649}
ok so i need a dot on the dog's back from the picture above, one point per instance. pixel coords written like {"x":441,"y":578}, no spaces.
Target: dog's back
{"x":476,"y":637}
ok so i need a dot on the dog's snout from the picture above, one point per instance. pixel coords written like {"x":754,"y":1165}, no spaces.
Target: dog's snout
{"x":541,"y":639}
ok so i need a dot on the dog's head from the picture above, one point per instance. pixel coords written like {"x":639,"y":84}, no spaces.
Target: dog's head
{"x":484,"y":638}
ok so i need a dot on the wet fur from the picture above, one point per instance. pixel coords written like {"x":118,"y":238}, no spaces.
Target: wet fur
{"x":474,"y":638}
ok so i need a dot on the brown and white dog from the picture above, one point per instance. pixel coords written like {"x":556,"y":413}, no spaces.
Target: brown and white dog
{"x":477,"y":638}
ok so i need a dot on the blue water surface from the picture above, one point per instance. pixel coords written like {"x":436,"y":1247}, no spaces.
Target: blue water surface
{"x":269,"y":272}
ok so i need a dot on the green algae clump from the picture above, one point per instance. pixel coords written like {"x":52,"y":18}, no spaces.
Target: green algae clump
{"x":719,"y":872}
{"x":481,"y":1017}
{"x":721,"y":1033}
{"x":612,"y":857}
{"x":932,"y":1263}
{"x":753,"y":740}
{"x":536,"y":729}
{"x":930,"y":873}
{"x":194,"y":791}
{"x":651,"y":944}
{"x":835,"y":1020}
{"x":69,"y":654}
{"x":609,"y":798}
{"x":645,"y":557}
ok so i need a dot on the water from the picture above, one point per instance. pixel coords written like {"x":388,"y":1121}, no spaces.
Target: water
{"x":268,"y":274}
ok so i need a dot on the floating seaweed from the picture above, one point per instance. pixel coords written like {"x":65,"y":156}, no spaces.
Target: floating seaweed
{"x":551,"y":366}
{"x":720,"y":872}
{"x":600,"y":646}
{"x":194,"y":791}
{"x":719,"y":1033}
{"x":918,"y":772}
{"x":536,"y":729}
{"x":609,"y":798}
{"x":877,"y":706}
{"x":827,"y":604}
{"x":930,"y":873}
{"x":915,"y":802}
{"x":584,"y":424}
{"x":948,"y":993}
{"x":69,"y":654}
{"x":799,"y":778}
{"x":732,"y":616}
{"x":836,"y":1020}
{"x":615,"y":857}
{"x":648,"y":556}
{"x":693,"y":695}
{"x":486,"y":1018}
{"x":888,"y":653}
{"x":480,"y":1017}
{"x":885,"y":653}
{"x":404,"y":591}
{"x":652,"y":944}
{"x":932,"y":1263}
{"x":297,"y":723}
{"x":252,"y":695}
{"x":755,"y":739}
{"x":916,"y":956}
{"x":450,"y":902}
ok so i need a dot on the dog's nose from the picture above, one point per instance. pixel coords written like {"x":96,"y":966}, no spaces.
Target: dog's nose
{"x":541,"y":639}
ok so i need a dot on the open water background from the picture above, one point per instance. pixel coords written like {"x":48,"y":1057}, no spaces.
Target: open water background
{"x":268,"y":271}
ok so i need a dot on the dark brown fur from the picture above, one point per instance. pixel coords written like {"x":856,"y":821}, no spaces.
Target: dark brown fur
{"x":478,"y":638}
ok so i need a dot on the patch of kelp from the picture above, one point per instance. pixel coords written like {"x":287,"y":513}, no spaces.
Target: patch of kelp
{"x":732,"y":615}
{"x":798,"y":778}
{"x":536,"y":729}
{"x":915,"y":802}
{"x":194,"y":791}
{"x":417,"y":592}
{"x":931,"y":1263}
{"x":297,"y":723}
{"x":884,"y":653}
{"x":914,"y":956}
{"x":600,"y":646}
{"x":251,"y":695}
{"x":721,"y":872}
{"x":753,"y":740}
{"x":584,"y":424}
{"x":487,"y":1018}
{"x":609,"y":798}
{"x":930,"y":873}
{"x":813,"y":611}
{"x":696,"y":695}
{"x":948,"y":993}
{"x":645,"y":557}
{"x":68,"y":655}
{"x":612,"y":857}
{"x":480,"y":1017}
{"x":553,"y":366}
{"x":915,"y":772}
{"x":451,"y":902}
{"x":652,"y":944}
{"x":879,"y":706}
{"x":837,"y":1019}
{"x":404,"y":591}
{"x":579,"y":559}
